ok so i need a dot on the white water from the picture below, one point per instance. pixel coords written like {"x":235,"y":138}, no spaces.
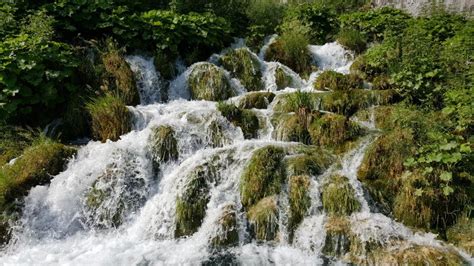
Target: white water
{"x":58,"y":229}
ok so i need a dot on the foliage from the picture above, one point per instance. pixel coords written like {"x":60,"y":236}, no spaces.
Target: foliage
{"x":264,"y":17}
{"x":352,"y":39}
{"x":110,"y":117}
{"x":13,"y":140}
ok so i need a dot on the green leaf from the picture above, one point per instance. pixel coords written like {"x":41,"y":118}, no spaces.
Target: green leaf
{"x":446,"y":176}
{"x":447,"y":190}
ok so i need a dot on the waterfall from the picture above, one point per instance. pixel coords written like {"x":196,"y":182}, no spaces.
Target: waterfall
{"x":116,"y":204}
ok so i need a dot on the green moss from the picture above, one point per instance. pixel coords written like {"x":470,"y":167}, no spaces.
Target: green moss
{"x":301,"y":64}
{"x":311,"y":161}
{"x":299,"y":200}
{"x":338,"y":237}
{"x":13,"y":140}
{"x":243,"y":118}
{"x":243,"y":66}
{"x":110,"y":118}
{"x":381,"y":82}
{"x":332,"y":130}
{"x":462,"y":234}
{"x":332,"y":80}
{"x":338,"y":197}
{"x":282,"y":79}
{"x":352,"y":39}
{"x":163,"y":145}
{"x":119,"y":76}
{"x":41,"y":161}
{"x":258,"y":100}
{"x":290,"y":128}
{"x":228,"y":234}
{"x":191,"y":205}
{"x":165,"y":65}
{"x":208,"y":82}
{"x":263,"y":175}
{"x":216,"y":135}
{"x":263,"y":218}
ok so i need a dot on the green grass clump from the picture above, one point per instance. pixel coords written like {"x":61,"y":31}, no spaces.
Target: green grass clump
{"x":332,"y":80}
{"x":208,"y":82}
{"x":338,"y":236}
{"x":246,"y":119}
{"x":191,"y":205}
{"x":110,"y":118}
{"x":163,"y":145}
{"x":300,"y":201}
{"x":332,"y":130}
{"x":282,"y":79}
{"x":228,"y":234}
{"x":263,"y":218}
{"x":13,"y":140}
{"x":289,"y":128}
{"x":462,"y":234}
{"x":243,"y":66}
{"x":291,"y":48}
{"x":310,"y":162}
{"x":36,"y":166}
{"x":352,"y":39}
{"x":338,"y":197}
{"x":263,"y":175}
{"x":258,"y":100}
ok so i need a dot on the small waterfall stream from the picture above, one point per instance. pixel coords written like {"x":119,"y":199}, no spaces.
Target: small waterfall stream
{"x":58,"y":227}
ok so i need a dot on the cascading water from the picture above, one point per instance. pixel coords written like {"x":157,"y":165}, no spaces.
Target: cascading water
{"x":114,"y":205}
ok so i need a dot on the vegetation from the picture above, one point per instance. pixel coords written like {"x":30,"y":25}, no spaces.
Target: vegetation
{"x":243,"y":118}
{"x":263,"y":217}
{"x":242,"y":65}
{"x":258,"y":100}
{"x":338,"y":197}
{"x":299,"y":201}
{"x":163,"y":145}
{"x":208,"y":82}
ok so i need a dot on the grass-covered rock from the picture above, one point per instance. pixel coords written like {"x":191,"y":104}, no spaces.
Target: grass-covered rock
{"x":37,"y":164}
{"x":263,"y":218}
{"x":243,"y":66}
{"x":191,"y":204}
{"x":246,"y":119}
{"x":257,"y":100}
{"x":338,"y":236}
{"x":332,"y":130}
{"x":462,"y":234}
{"x":338,"y":196}
{"x":215,"y":133}
{"x":208,"y":82}
{"x":163,"y":145}
{"x":290,"y":128}
{"x":13,"y":140}
{"x":227,"y":233}
{"x":332,"y":80}
{"x":352,"y":39}
{"x":311,"y":162}
{"x":299,"y":200}
{"x":263,"y":176}
{"x":282,"y":79}
{"x":110,"y":118}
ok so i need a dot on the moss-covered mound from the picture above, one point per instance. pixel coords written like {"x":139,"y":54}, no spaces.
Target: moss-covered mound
{"x":208,"y":82}
{"x":41,"y":161}
{"x":338,"y":236}
{"x":332,"y":80}
{"x":332,"y":130}
{"x":13,"y":140}
{"x":263,"y":218}
{"x":290,"y":128}
{"x":163,"y":145}
{"x":215,"y":133}
{"x":110,"y":118}
{"x":243,"y":118}
{"x":119,"y":76}
{"x":228,"y":234}
{"x":282,"y":79}
{"x":299,"y":200}
{"x":258,"y":100}
{"x":462,"y":234}
{"x":243,"y":66}
{"x":263,"y":175}
{"x":312,"y":163}
{"x":300,"y":64}
{"x":338,"y":196}
{"x":192,"y":203}
{"x":291,"y":102}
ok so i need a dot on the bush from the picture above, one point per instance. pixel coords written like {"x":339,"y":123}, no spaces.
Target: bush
{"x":264,"y":17}
{"x":110,"y":118}
{"x":291,"y":48}
{"x":352,"y":39}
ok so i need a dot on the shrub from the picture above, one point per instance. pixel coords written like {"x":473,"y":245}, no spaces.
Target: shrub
{"x":352,"y":39}
{"x":264,"y":17}
{"x":110,"y":117}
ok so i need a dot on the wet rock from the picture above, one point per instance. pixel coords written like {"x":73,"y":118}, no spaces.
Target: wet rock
{"x":243,"y":118}
{"x":263,"y":219}
{"x":208,"y":82}
{"x":163,"y":145}
{"x":338,"y":237}
{"x":243,"y":66}
{"x":227,"y":232}
{"x":257,"y":100}
{"x":299,"y":200}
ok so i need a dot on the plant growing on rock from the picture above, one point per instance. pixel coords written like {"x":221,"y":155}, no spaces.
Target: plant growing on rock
{"x":227,"y":234}
{"x":258,"y":100}
{"x":208,"y":82}
{"x":338,"y":196}
{"x":243,"y":118}
{"x":263,"y":217}
{"x":242,"y":65}
{"x":352,"y":39}
{"x":300,"y":201}
{"x":163,"y":145}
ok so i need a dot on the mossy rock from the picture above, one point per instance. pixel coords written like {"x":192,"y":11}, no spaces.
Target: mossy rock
{"x":120,"y":190}
{"x":120,"y":76}
{"x":163,"y":145}
{"x":13,"y":140}
{"x":311,"y":164}
{"x":208,"y":82}
{"x":282,"y":79}
{"x":301,"y":64}
{"x":228,"y":234}
{"x":5,"y":230}
{"x":263,"y":176}
{"x":243,"y":66}
{"x":299,"y":200}
{"x":191,"y":204}
{"x":291,"y":102}
{"x":246,"y":119}
{"x":332,"y":130}
{"x":462,"y":234}
{"x":332,"y":80}
{"x":110,"y":118}
{"x":165,"y":65}
{"x":289,"y":127}
{"x":364,"y":69}
{"x":338,"y":237}
{"x":37,"y":165}
{"x":215,"y":132}
{"x":338,"y":196}
{"x":263,"y":219}
{"x":257,"y":100}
